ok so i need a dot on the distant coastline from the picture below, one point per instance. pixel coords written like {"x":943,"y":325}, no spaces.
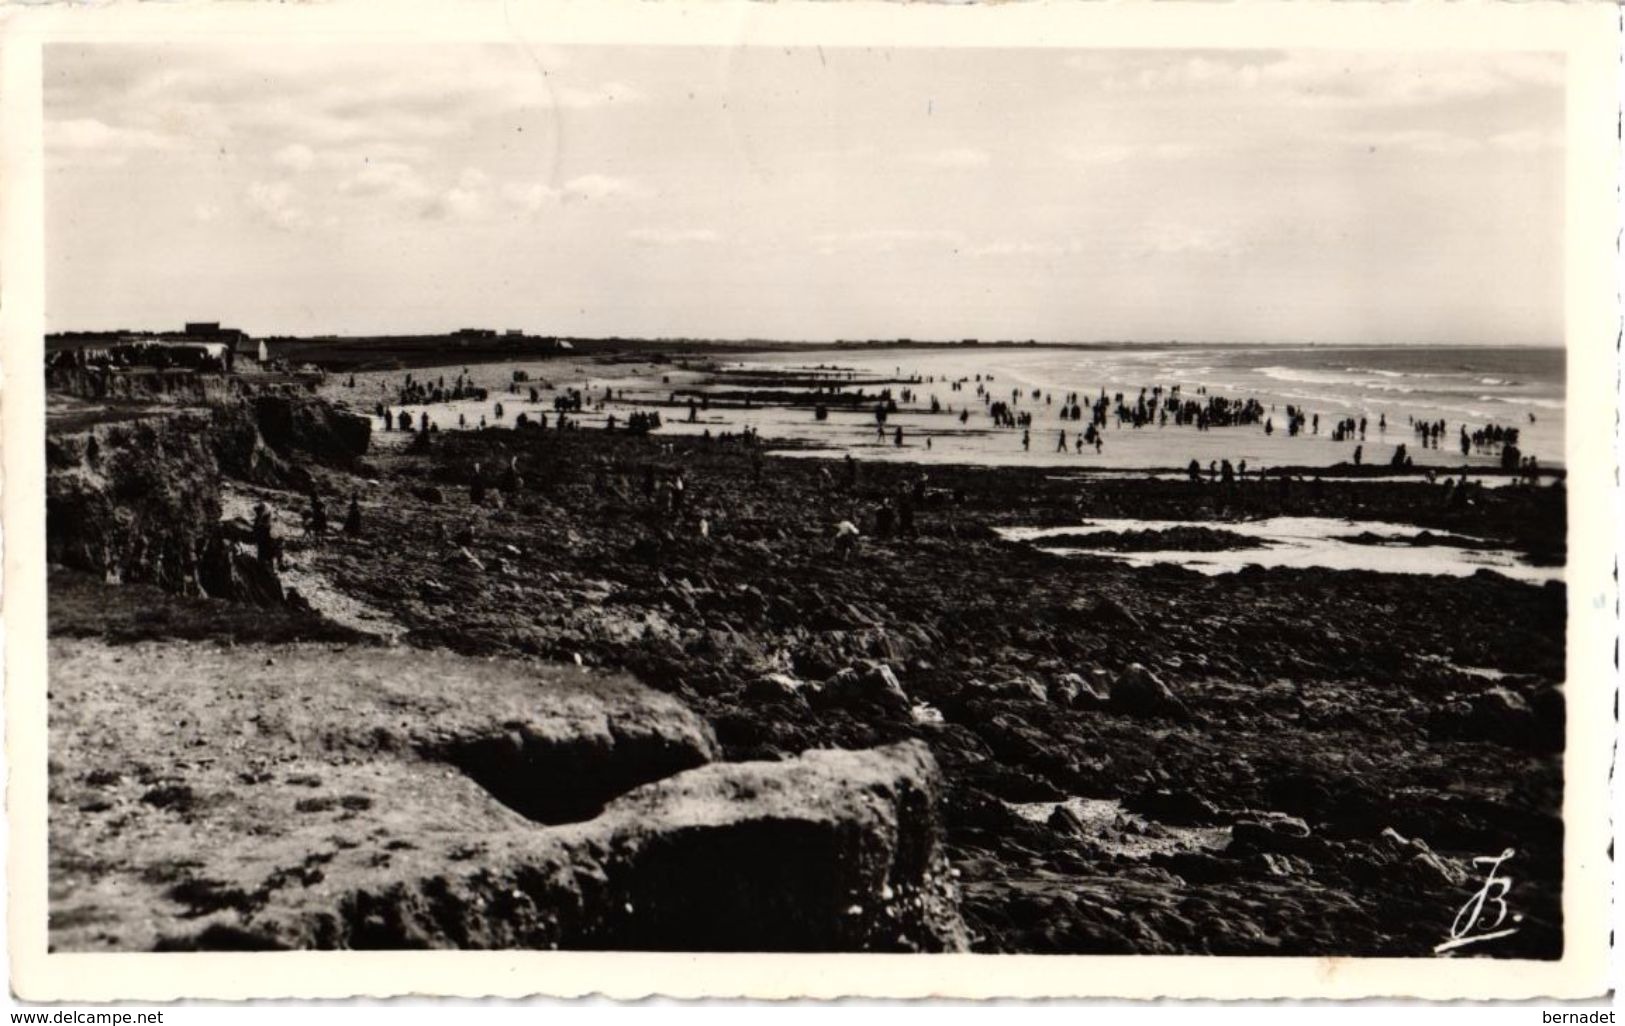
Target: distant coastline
{"x":355,"y":352}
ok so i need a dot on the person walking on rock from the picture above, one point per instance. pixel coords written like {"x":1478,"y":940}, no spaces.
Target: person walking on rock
{"x":264,"y":538}
{"x":846,"y":539}
{"x":316,"y":519}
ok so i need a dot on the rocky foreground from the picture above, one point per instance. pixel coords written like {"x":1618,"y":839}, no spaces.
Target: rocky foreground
{"x":1131,"y":760}
{"x":307,"y":796}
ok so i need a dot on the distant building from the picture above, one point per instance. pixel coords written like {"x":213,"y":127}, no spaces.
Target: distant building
{"x":211,"y":331}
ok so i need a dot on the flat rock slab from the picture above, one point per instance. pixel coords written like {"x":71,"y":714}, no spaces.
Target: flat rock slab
{"x":317,"y":796}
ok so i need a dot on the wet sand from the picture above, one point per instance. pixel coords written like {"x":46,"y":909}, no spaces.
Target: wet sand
{"x":777,"y":396}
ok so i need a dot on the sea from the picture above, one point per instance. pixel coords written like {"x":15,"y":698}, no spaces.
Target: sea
{"x":1475,"y":386}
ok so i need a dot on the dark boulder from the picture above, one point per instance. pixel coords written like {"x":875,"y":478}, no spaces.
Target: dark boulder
{"x":1139,"y":692}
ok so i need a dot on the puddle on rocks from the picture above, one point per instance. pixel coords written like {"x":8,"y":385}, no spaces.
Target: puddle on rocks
{"x":1303,"y":542}
{"x":1111,"y":831}
{"x":1485,"y":481}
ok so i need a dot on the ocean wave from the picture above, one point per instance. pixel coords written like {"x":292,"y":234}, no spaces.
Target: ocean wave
{"x":1515,"y":400}
{"x":1370,"y":378}
{"x":1498,"y":381}
{"x":1394,"y":373}
{"x":1305,"y":376}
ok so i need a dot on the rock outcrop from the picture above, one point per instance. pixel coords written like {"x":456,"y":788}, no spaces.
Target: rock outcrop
{"x":306,"y":797}
{"x":133,"y":501}
{"x":137,"y":497}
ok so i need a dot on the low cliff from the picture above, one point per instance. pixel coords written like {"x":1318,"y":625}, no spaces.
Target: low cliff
{"x":137,"y":498}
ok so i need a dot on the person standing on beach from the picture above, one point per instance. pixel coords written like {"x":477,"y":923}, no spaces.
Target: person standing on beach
{"x":1060,"y":445}
{"x":1026,"y":440}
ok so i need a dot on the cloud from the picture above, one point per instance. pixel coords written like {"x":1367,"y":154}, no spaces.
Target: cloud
{"x":295,"y":157}
{"x":963,"y":156}
{"x":884,"y":240}
{"x":94,"y":141}
{"x":277,"y":204}
{"x":1528,"y":140}
{"x":1120,"y":153}
{"x":530,"y":197}
{"x":1342,"y":78}
{"x":391,"y":180}
{"x":579,"y":98}
{"x":600,"y":187}
{"x":1014,"y":247}
{"x":1099,"y":153}
{"x":672,"y":236}
{"x":1165,"y":239}
{"x":1417,"y":140}
{"x":390,"y":102}
{"x":468,"y":199}
{"x":534,"y":197}
{"x":205,"y":212}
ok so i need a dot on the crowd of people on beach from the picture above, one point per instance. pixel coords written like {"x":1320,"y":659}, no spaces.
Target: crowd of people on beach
{"x":1084,"y":420}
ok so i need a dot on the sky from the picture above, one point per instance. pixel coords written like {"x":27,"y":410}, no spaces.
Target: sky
{"x":807,"y":194}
